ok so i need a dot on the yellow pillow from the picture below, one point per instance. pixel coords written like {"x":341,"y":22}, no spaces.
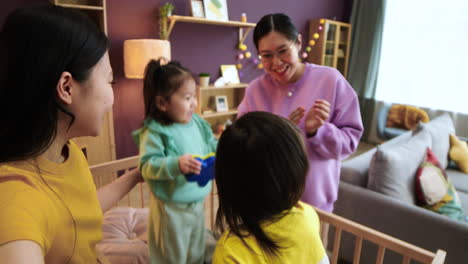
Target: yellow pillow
{"x":459,"y":153}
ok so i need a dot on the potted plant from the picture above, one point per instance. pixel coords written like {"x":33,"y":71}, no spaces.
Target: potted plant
{"x":165,"y":11}
{"x":204,"y":79}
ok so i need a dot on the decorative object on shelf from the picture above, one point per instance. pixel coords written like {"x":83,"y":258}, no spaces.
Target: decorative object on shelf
{"x":207,"y":111}
{"x":165,"y":11}
{"x":230,"y":74}
{"x":216,"y":9}
{"x":204,"y":79}
{"x":220,"y":82}
{"x":221,"y":103}
{"x":138,"y":52}
{"x":242,"y":46}
{"x":243,"y":17}
{"x":196,"y":7}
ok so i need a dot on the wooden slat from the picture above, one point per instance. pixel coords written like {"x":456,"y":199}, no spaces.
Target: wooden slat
{"x":406,"y":260}
{"x":377,"y":237}
{"x":357,"y":250}
{"x":336,"y":245}
{"x":115,"y":165}
{"x":380,"y":255}
{"x":439,"y":257}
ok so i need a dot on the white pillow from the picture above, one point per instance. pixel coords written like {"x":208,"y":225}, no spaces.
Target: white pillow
{"x":393,"y":168}
{"x":440,"y":129}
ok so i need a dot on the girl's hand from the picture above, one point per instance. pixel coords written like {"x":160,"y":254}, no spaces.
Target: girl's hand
{"x":137,"y":175}
{"x":317,"y":116}
{"x":297,"y":115}
{"x":187,"y":164}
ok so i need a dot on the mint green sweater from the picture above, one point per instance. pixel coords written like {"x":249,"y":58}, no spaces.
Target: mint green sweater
{"x":160,"y":148}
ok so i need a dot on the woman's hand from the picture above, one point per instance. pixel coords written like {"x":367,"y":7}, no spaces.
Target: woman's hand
{"x":316,"y":117}
{"x":187,"y":164}
{"x":297,"y":115}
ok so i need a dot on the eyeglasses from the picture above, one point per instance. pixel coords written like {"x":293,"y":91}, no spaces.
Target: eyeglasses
{"x":283,"y":53}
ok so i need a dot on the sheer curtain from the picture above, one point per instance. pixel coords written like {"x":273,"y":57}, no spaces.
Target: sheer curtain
{"x":424,"y":57}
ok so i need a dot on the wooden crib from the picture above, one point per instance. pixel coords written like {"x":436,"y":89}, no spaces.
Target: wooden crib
{"x":139,"y":197}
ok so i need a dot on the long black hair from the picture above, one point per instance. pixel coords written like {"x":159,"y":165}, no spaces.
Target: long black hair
{"x":162,"y":80}
{"x":278,"y":22}
{"x":38,"y":44}
{"x":261,"y":168}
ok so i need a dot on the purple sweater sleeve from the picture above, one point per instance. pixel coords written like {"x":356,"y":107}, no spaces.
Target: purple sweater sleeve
{"x":339,"y":137}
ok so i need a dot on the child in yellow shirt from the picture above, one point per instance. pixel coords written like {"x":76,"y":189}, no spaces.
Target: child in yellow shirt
{"x":260,"y":172}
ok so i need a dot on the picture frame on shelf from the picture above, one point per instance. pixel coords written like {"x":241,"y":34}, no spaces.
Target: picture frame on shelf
{"x":230,"y":74}
{"x":197,"y":8}
{"x":221,"y":103}
{"x":216,"y":9}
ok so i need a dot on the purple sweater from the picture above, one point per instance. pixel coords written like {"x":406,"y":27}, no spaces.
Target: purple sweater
{"x":334,"y":141}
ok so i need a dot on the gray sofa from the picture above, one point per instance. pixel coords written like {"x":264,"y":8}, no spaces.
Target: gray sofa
{"x":398,"y":217}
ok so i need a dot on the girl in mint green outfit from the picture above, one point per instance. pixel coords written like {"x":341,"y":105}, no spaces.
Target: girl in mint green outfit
{"x":171,"y":134}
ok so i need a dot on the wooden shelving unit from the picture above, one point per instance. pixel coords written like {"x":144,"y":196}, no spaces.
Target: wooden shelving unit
{"x":188,"y":19}
{"x":206,"y":101}
{"x":219,"y":114}
{"x":333,"y":45}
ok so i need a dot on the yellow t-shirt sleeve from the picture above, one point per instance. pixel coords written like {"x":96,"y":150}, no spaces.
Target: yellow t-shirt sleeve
{"x":24,"y":214}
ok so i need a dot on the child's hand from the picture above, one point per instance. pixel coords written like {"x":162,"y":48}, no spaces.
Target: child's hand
{"x":317,"y":116}
{"x":187,"y":164}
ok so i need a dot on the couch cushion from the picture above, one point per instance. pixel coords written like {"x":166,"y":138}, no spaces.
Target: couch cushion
{"x":459,"y":153}
{"x":431,"y":181}
{"x":459,"y":179}
{"x":393,"y":167}
{"x":439,"y":128}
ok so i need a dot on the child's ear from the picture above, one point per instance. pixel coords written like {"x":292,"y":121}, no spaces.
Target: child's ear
{"x":161,"y":103}
{"x":65,"y":88}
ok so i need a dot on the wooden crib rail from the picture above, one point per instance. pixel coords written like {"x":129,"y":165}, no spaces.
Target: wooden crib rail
{"x":115,"y":165}
{"x":107,"y":172}
{"x":383,"y":241}
{"x":139,"y":196}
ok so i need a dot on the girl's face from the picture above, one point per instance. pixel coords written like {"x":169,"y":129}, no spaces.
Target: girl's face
{"x":93,"y":99}
{"x":280,"y":57}
{"x":182,"y":103}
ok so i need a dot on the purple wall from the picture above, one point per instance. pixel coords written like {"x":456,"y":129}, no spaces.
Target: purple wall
{"x":198,"y":47}
{"x":201,"y":48}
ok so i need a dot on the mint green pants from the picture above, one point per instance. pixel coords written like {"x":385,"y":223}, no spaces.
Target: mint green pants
{"x":176,"y":232}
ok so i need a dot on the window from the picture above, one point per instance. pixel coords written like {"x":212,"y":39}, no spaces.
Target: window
{"x":424,"y":59}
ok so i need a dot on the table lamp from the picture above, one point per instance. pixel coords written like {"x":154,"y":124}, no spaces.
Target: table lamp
{"x":138,"y":52}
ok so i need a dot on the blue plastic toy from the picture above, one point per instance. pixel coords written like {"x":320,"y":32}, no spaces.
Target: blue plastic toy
{"x":207,"y":170}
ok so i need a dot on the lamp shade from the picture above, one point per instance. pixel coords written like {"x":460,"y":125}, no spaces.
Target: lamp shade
{"x":138,"y":52}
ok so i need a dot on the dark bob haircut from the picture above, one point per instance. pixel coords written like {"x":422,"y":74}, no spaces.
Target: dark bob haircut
{"x":261,"y":167}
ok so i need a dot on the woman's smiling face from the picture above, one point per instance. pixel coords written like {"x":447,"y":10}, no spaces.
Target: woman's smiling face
{"x":280,"y":57}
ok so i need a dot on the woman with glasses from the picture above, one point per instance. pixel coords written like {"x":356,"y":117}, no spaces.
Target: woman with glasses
{"x":316,"y":98}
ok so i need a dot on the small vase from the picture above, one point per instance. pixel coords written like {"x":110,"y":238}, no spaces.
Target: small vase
{"x":204,"y":81}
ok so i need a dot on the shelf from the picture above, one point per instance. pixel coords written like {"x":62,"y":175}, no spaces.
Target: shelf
{"x":198,"y":20}
{"x":218,"y":114}
{"x":83,"y":7}
{"x":231,"y":86}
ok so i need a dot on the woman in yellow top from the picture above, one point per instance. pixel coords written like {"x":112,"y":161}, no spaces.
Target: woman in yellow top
{"x":55,"y":85}
{"x":261,"y":168}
